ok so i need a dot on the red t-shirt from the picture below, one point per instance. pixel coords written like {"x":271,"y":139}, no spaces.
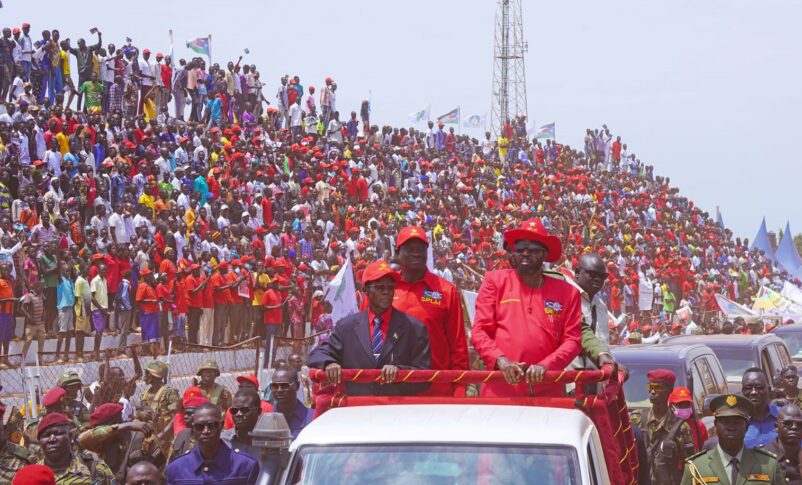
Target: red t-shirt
{"x":271,"y":298}
{"x":208,"y":297}
{"x":190,"y":283}
{"x":220,"y":297}
{"x":233,"y":292}
{"x":181,"y":297}
{"x":146,"y":292}
{"x":164,"y":292}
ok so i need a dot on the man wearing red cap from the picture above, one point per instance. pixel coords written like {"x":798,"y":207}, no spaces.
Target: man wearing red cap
{"x":526,"y":323}
{"x":69,"y":467}
{"x":379,"y":337}
{"x":120,"y":444}
{"x":434,"y":301}
{"x":669,"y":440}
{"x":12,"y":456}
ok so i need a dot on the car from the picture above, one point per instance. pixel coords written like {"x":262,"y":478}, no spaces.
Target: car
{"x":446,"y":443}
{"x":737,"y":353}
{"x":792,"y":336}
{"x":695,"y":366}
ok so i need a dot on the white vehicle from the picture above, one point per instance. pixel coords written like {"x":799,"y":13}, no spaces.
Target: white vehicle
{"x":448,"y":444}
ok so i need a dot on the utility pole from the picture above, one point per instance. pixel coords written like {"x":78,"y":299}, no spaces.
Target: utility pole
{"x":509,"y":72}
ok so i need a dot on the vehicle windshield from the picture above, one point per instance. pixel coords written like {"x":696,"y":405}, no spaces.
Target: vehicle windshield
{"x":794,"y":343}
{"x":635,"y":390}
{"x":735,"y":362}
{"x":425,"y":464}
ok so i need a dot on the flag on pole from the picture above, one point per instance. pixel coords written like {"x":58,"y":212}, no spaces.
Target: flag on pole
{"x":172,"y":54}
{"x":201,"y":45}
{"x":719,"y":219}
{"x":450,"y":118}
{"x":474,"y":121}
{"x":419,"y":115}
{"x":545,"y":131}
{"x":341,"y":293}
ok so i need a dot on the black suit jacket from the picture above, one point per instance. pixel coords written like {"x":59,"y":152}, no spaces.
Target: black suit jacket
{"x":406,"y":347}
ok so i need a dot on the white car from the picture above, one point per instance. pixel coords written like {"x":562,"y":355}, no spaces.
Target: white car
{"x":448,"y":444}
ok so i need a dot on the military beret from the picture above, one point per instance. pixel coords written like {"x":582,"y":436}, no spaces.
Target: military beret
{"x":51,"y":419}
{"x":661,"y":376}
{"x":52,"y":397}
{"x":34,"y":475}
{"x":104,"y":413}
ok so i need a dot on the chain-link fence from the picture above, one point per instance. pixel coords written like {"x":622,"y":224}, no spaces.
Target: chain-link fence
{"x":283,"y":347}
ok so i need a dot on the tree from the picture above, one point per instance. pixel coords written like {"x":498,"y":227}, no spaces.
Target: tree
{"x":798,"y":243}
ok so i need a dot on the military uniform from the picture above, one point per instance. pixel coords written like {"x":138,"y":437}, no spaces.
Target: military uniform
{"x":84,"y":470}
{"x":12,"y":458}
{"x":217,"y":394}
{"x":755,"y":465}
{"x":788,"y":464}
{"x":183,"y":443}
{"x":672,"y":428}
{"x":164,"y":402}
{"x":126,"y":449}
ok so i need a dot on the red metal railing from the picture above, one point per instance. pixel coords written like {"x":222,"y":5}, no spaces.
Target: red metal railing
{"x":607,"y":410}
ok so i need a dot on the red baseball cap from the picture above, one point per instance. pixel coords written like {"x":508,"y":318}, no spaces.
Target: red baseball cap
{"x":680,"y":394}
{"x":378,"y":270}
{"x":410,"y":232}
{"x":249,"y":378}
{"x":146,"y":51}
{"x":34,"y":475}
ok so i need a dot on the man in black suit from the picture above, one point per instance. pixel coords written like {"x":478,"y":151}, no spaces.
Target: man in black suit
{"x":380,"y":337}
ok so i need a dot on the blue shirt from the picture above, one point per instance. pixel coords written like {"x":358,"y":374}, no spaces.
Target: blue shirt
{"x":298,"y":421}
{"x":227,"y":467}
{"x":65,"y":293}
{"x":215,"y":108}
{"x":762,"y":431}
{"x":123,"y":297}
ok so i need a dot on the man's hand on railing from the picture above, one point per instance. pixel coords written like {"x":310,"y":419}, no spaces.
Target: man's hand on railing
{"x":512,"y":370}
{"x":334,"y":372}
{"x":389,"y":373}
{"x":534,"y":374}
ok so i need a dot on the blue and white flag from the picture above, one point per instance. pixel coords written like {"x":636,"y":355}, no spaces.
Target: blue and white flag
{"x":545,"y":131}
{"x":419,"y":115}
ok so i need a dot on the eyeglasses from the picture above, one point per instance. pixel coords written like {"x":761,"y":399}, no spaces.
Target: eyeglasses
{"x":655,"y":387}
{"x":792,"y":423}
{"x":382,"y":288}
{"x":212,"y":425}
{"x":243,"y":410}
{"x":275,"y":386}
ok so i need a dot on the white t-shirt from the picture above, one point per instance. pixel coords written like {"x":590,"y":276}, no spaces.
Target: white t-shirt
{"x":117,"y":223}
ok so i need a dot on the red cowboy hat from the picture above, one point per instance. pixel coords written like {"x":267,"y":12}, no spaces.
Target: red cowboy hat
{"x":533,"y":229}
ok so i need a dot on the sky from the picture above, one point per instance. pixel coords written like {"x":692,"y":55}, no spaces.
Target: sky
{"x":707,"y":92}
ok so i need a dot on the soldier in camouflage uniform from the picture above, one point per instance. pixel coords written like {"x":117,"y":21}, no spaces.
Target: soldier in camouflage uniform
{"x":12,"y":456}
{"x":669,"y":440}
{"x":54,"y":401}
{"x":71,"y":382}
{"x":214,"y":392}
{"x":70,"y":468}
{"x":159,"y":403}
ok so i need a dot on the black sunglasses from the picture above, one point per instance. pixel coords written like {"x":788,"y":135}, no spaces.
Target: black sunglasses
{"x":243,"y":410}
{"x":212,"y":425}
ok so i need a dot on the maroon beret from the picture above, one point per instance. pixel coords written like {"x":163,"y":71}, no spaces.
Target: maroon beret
{"x":51,"y":419}
{"x":661,"y":376}
{"x":53,"y":396}
{"x":34,"y":475}
{"x":104,"y":413}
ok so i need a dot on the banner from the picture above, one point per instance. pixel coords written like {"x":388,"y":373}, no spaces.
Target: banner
{"x":450,"y":118}
{"x":769,"y":301}
{"x":545,"y":131}
{"x":341,"y":293}
{"x":684,"y":313}
{"x":732,"y":309}
{"x":201,"y":45}
{"x":645,"y":295}
{"x":419,"y":115}
{"x":474,"y":121}
{"x":470,"y":303}
{"x":792,"y":292}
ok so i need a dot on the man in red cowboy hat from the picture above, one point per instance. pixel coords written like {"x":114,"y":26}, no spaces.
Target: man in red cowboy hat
{"x":527,"y":323}
{"x":434,"y":301}
{"x":379,"y":337}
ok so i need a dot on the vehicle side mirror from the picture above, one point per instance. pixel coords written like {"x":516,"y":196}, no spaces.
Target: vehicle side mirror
{"x":706,"y":411}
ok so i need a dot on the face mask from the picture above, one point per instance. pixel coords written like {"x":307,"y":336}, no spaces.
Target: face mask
{"x":683,"y":413}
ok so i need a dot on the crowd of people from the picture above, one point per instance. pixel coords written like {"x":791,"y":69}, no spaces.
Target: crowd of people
{"x":175,"y":200}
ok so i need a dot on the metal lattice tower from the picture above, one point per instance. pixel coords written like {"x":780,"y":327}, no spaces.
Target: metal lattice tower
{"x":509,"y":72}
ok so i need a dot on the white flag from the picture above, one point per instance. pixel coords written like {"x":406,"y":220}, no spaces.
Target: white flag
{"x":341,"y":293}
{"x":420,"y":115}
{"x":474,"y":121}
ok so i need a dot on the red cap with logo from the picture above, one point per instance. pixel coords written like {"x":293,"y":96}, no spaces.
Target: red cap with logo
{"x":411,"y":232}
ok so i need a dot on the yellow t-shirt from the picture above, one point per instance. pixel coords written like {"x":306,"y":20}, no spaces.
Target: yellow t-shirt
{"x":503,"y":143}
{"x":258,"y":293}
{"x":65,"y":63}
{"x":63,"y":143}
{"x":148,"y":200}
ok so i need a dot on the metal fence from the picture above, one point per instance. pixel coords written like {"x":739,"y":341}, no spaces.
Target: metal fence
{"x":283,"y":347}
